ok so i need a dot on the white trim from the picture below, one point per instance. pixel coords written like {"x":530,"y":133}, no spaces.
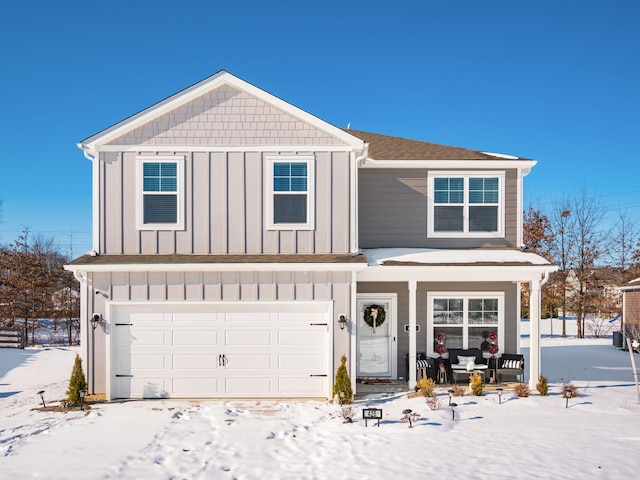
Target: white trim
{"x":392,"y":298}
{"x":311,"y":192}
{"x":413,"y":334}
{"x":465,"y":175}
{"x":179,"y":160}
{"x":452,"y":273}
{"x":110,"y":307}
{"x":520,"y":207}
{"x":219,"y":267}
{"x":449,"y":164}
{"x":95,"y":201}
{"x":353,"y":331}
{"x":275,"y":149}
{"x":209,"y":84}
{"x":466,"y":296}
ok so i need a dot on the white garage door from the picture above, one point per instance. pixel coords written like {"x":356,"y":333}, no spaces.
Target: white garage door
{"x":220,"y":350}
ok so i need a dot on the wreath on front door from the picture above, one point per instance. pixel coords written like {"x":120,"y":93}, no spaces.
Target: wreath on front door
{"x":374,"y":316}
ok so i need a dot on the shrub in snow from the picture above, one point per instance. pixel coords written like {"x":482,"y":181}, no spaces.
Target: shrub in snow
{"x":347,"y":414}
{"x":343,"y":382}
{"x":477,"y":385}
{"x":458,"y":391}
{"x":77,"y":383}
{"x":433,"y":401}
{"x":542,"y":386}
{"x":521,"y":390}
{"x":570,"y":390}
{"x":426,"y":386}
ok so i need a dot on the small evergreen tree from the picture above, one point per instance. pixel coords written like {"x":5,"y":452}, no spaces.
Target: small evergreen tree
{"x":343,"y":382}
{"x":477,"y":385}
{"x":542,"y":386}
{"x":76,"y":383}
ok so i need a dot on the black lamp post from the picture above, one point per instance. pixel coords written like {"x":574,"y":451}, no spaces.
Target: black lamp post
{"x":450,"y":392}
{"x":499,"y":390}
{"x":341,"y":395}
{"x":567,"y":395}
{"x":83,"y":393}
{"x":453,"y":411}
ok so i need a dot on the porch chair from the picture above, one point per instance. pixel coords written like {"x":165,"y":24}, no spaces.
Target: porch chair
{"x":510,"y":364}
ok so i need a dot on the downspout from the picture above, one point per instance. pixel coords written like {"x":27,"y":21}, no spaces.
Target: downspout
{"x":81,"y":277}
{"x":355,"y":249}
{"x":355,"y":238}
{"x":95,"y":195}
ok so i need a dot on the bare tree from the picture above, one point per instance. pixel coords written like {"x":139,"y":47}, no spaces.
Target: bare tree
{"x":562,"y":249}
{"x":587,"y":214}
{"x":621,"y":245}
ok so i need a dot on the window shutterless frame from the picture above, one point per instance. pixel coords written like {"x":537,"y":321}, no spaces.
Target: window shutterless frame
{"x":464,"y":311}
{"x":456,"y":198}
{"x":160,"y":192}
{"x":290,"y":192}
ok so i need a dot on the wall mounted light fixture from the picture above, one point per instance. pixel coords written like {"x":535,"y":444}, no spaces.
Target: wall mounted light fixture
{"x":342,"y":321}
{"x":95,"y":320}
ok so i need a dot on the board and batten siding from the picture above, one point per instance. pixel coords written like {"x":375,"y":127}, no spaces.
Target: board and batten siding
{"x":224,"y":207}
{"x":193,"y":287}
{"x":393,"y":210}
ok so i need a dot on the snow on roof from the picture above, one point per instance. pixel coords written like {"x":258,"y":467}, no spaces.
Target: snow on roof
{"x":430,"y":256}
{"x":501,"y":155}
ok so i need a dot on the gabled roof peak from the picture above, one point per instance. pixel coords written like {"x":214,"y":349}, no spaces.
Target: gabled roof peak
{"x":90,"y":144}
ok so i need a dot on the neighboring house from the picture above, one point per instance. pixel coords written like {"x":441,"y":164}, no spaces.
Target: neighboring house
{"x":631,"y":308}
{"x":242,"y":246}
{"x":64,"y":297}
{"x":604,"y":296}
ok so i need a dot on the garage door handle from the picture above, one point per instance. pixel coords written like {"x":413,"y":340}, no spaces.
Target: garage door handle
{"x":222,"y":360}
{"x":323,"y":324}
{"x":124,"y":324}
{"x":324,"y":375}
{"x":128,"y":376}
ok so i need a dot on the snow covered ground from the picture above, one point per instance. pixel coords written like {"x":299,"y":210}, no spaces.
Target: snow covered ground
{"x":598,"y":436}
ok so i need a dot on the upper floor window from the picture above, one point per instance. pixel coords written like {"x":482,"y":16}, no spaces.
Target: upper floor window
{"x":160,"y":193}
{"x":465,"y":204}
{"x":290,"y":193}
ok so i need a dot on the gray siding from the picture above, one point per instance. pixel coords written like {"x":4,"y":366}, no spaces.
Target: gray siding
{"x":223,"y":117}
{"x":512,"y":316}
{"x":224,"y":207}
{"x":216,"y":286}
{"x":392,"y":207}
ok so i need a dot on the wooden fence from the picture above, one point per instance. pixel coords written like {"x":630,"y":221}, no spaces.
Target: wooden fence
{"x":12,"y":337}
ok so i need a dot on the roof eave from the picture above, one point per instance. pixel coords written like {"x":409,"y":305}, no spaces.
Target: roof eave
{"x":522,"y":164}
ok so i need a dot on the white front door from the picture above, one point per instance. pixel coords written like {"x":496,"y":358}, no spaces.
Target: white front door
{"x":377,"y":336}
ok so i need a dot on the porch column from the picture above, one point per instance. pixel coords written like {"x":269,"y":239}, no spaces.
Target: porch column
{"x":412,"y":333}
{"x":535,"y":366}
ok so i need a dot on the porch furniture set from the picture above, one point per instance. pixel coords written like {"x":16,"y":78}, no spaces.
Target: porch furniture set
{"x":456,"y":367}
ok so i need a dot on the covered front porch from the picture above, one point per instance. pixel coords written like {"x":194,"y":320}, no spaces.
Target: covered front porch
{"x":425,"y":294}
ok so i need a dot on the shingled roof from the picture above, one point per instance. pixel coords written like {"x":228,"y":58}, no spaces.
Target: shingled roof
{"x":386,"y":147}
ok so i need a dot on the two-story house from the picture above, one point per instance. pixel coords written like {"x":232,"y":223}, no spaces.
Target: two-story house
{"x":242,"y":246}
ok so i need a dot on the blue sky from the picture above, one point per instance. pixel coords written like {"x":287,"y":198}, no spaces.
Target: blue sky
{"x":558,"y":82}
